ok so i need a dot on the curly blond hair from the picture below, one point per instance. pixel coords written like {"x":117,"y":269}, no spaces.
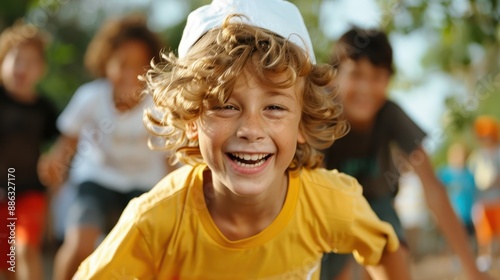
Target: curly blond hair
{"x":180,"y":86}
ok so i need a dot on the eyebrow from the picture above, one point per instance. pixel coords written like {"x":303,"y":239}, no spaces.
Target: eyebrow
{"x":274,"y":92}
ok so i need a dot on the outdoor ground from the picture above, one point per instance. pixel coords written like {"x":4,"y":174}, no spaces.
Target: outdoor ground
{"x":444,"y":268}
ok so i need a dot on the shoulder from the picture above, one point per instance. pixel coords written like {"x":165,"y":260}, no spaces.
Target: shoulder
{"x":390,"y":108}
{"x":391,"y":114}
{"x":90,"y":94}
{"x":391,"y":105}
{"x":443,"y":173}
{"x":330,"y":180}
{"x":398,"y":126}
{"x":161,"y":212}
{"x":96,"y":84}
{"x":95,"y":88}
{"x":330,"y":194}
{"x":443,"y":169}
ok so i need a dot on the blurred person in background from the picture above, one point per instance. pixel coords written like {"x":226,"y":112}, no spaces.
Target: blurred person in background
{"x":27,"y":122}
{"x":485,"y":164}
{"x":382,"y":143}
{"x":104,"y":139}
{"x":459,"y":182}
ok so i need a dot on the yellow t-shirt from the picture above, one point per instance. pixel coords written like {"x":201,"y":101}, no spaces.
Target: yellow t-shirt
{"x":168,"y":233}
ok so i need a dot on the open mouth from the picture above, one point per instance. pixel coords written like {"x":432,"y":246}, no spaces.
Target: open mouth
{"x":249,"y":160}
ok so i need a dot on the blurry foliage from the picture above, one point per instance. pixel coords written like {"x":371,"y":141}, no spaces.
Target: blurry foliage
{"x":11,"y":10}
{"x":458,"y":117}
{"x":65,"y":53}
{"x":310,"y":11}
{"x":173,"y":35}
{"x":464,"y":41}
{"x":459,"y":24}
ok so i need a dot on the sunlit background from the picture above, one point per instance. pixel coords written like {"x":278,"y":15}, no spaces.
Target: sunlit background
{"x":446,"y":52}
{"x":443,"y":48}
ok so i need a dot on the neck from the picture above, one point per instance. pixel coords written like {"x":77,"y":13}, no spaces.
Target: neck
{"x":241,"y":217}
{"x":123,"y":104}
{"x":22,"y":96}
{"x":361,"y":126}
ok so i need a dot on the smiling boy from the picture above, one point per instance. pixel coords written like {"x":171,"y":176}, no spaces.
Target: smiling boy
{"x":245,"y":105}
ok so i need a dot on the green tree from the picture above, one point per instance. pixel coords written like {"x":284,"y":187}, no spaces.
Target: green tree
{"x":464,"y":41}
{"x":11,"y":10}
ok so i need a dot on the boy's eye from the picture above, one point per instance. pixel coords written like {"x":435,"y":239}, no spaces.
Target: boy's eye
{"x":275,"y":107}
{"x":227,"y":107}
{"x":224,"y":107}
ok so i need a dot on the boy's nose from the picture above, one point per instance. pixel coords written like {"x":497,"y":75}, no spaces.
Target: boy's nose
{"x":251,"y":127}
{"x":364,"y":87}
{"x":131,"y":74}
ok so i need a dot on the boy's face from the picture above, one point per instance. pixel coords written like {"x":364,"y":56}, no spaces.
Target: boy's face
{"x":250,"y":141}
{"x":128,"y":61}
{"x":22,"y":68}
{"x":487,"y":142}
{"x":457,"y":156}
{"x":363,"y":89}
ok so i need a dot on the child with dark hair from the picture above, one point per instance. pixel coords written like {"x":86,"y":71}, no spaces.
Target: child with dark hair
{"x":27,"y":121}
{"x":382,"y":143}
{"x":244,"y":104}
{"x":104,"y":139}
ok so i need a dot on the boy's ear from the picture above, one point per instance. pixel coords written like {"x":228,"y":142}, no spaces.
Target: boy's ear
{"x":192,"y":130}
{"x":300,"y":138}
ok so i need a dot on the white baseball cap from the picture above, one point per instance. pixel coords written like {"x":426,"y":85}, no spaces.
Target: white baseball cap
{"x":278,"y":16}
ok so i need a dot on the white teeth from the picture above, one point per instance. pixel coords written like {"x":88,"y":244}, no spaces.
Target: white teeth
{"x":253,"y":157}
{"x":257,"y":158}
{"x":259,"y":163}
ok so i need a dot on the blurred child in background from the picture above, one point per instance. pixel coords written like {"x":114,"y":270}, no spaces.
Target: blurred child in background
{"x":383,"y":143}
{"x":27,"y":121}
{"x":459,"y":182}
{"x":485,"y":163}
{"x":104,"y":139}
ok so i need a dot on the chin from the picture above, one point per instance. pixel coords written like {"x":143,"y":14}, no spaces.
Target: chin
{"x":247,"y":191}
{"x":362,"y":116}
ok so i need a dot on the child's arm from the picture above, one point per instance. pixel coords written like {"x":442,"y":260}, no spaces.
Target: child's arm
{"x":376,"y":246}
{"x":438,"y":202}
{"x":373,"y":242}
{"x":392,"y":265}
{"x":53,"y":167}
